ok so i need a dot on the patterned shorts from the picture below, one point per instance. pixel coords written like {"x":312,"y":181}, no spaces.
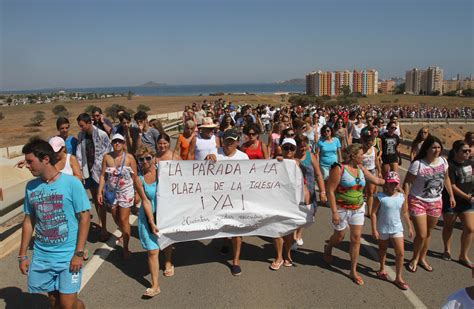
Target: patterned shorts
{"x":418,"y":207}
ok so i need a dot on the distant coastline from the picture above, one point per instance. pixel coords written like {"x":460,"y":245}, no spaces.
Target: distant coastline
{"x":162,"y":89}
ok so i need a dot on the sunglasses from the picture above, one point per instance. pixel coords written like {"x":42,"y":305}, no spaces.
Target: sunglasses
{"x":252,"y":134}
{"x":327,"y":131}
{"x":466,"y":150}
{"x":393,"y":128}
{"x":290,"y":134}
{"x":289,"y":148}
{"x":147,"y":158}
{"x":117,"y":141}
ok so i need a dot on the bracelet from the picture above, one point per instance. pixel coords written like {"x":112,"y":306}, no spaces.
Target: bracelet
{"x":322,"y":192}
{"x":22,"y":258}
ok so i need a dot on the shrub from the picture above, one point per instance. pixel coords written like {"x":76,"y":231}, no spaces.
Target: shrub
{"x":143,"y":108}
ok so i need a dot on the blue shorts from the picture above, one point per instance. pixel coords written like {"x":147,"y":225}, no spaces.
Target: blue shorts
{"x":49,"y":276}
{"x":90,"y":183}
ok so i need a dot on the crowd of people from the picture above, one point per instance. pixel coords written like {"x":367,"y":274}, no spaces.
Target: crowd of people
{"x":345,"y":155}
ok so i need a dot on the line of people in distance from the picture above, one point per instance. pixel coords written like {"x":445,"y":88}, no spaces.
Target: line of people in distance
{"x":344,"y":153}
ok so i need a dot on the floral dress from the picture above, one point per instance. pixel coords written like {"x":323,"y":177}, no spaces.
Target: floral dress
{"x":125,"y":194}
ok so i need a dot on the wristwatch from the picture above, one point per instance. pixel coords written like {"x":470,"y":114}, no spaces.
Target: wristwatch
{"x":79,"y":253}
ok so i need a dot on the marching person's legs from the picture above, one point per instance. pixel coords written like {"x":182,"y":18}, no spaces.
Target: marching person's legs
{"x":449,"y":219}
{"x":356,"y":231}
{"x":431,"y":223}
{"x":236,"y":246}
{"x":467,"y":219}
{"x":278,"y":242}
{"x":123,"y":218}
{"x":333,"y":241}
{"x":287,"y":243}
{"x":70,"y":301}
{"x":420,"y":224}
{"x":154,"y":266}
{"x":383,"y":245}
{"x":169,"y":268}
{"x":398,"y":245}
{"x":101,"y":212}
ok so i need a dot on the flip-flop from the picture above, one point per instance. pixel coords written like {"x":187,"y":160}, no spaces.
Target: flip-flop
{"x":426,"y":266}
{"x":288,"y":263}
{"x":358,"y":280}
{"x":276,"y":266}
{"x":382,"y":275}
{"x":412,"y":267}
{"x":465,"y":263}
{"x":169,"y":272}
{"x":401,"y":285}
{"x":446,"y":256}
{"x":149,"y":293}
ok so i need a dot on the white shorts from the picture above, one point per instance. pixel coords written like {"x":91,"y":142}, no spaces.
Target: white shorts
{"x":385,"y":236}
{"x":349,"y":217}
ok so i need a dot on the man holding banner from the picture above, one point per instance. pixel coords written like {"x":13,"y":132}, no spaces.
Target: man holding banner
{"x":227,"y":196}
{"x":229,"y":151}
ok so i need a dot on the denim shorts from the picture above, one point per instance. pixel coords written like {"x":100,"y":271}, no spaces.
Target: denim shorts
{"x":48,"y":276}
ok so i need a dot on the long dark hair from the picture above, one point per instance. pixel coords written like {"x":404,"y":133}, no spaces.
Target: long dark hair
{"x":419,"y":137}
{"x":427,"y":144}
{"x":457,"y":145}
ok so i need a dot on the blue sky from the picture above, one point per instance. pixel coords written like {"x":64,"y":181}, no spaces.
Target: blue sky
{"x":68,"y":43}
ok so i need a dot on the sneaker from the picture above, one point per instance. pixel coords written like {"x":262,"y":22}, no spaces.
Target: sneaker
{"x":294,"y":246}
{"x":225,"y":250}
{"x":236,"y":270}
{"x":299,"y":242}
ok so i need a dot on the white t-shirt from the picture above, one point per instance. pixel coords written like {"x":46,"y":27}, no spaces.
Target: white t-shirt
{"x":238,"y":155}
{"x":459,"y":300}
{"x":429,"y":182}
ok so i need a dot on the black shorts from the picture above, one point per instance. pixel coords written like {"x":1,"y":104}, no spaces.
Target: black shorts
{"x":460,"y":207}
{"x":389,"y":159}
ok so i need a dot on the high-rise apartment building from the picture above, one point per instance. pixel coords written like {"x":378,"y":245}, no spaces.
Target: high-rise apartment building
{"x":321,"y":83}
{"x":387,"y":87}
{"x":424,"y":81}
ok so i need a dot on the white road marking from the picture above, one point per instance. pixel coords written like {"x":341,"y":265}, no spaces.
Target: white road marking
{"x":409,"y":294}
{"x":103,"y":252}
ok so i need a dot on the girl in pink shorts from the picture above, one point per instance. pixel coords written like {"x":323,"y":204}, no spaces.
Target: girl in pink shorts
{"x":424,"y":182}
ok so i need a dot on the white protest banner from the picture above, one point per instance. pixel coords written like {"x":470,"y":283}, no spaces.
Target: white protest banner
{"x":206,"y":200}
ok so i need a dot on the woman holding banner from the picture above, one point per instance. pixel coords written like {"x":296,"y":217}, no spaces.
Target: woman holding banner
{"x":310,"y":167}
{"x":345,"y":189}
{"x":146,"y":186}
{"x":289,"y":148}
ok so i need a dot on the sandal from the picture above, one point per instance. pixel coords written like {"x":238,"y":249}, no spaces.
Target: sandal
{"x":426,"y":266}
{"x":276,"y":266}
{"x":358,"y":280}
{"x":468,"y":264}
{"x":382,"y":275}
{"x":149,"y":293}
{"x":328,"y":258}
{"x":288,"y":263}
{"x":446,"y":256}
{"x":401,"y":285}
{"x":412,"y":267}
{"x":169,"y":272}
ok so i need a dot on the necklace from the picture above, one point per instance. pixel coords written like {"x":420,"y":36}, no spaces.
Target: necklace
{"x":52,"y":178}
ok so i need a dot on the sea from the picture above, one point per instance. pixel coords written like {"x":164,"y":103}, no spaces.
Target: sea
{"x":178,"y":90}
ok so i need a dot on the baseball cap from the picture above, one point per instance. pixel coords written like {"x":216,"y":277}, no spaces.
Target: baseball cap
{"x":288,"y":141}
{"x":57,"y":143}
{"x":392,"y":177}
{"x":232,"y":134}
{"x":118,"y":136}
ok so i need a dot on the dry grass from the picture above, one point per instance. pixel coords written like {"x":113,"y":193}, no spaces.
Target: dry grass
{"x":13,"y":132}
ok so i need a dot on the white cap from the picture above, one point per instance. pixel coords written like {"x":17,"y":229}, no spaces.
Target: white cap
{"x":57,"y":143}
{"x":118,"y":136}
{"x":288,"y":141}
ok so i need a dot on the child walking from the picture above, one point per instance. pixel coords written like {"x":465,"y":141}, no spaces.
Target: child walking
{"x":386,"y":224}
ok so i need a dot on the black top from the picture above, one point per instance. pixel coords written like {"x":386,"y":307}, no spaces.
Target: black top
{"x":460,"y":175}
{"x":389,"y":147}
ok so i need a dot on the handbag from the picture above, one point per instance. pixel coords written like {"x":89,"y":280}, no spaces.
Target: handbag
{"x":109,"y":195}
{"x":154,"y":212}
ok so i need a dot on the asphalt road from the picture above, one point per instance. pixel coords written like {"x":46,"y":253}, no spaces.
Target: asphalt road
{"x":203,"y":279}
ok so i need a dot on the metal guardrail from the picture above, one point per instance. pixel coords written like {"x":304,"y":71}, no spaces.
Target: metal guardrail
{"x":14,"y":197}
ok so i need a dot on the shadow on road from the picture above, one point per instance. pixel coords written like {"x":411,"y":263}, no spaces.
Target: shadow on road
{"x":15,"y":298}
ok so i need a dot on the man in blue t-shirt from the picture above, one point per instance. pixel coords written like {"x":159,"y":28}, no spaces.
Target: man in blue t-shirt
{"x":56,"y":206}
